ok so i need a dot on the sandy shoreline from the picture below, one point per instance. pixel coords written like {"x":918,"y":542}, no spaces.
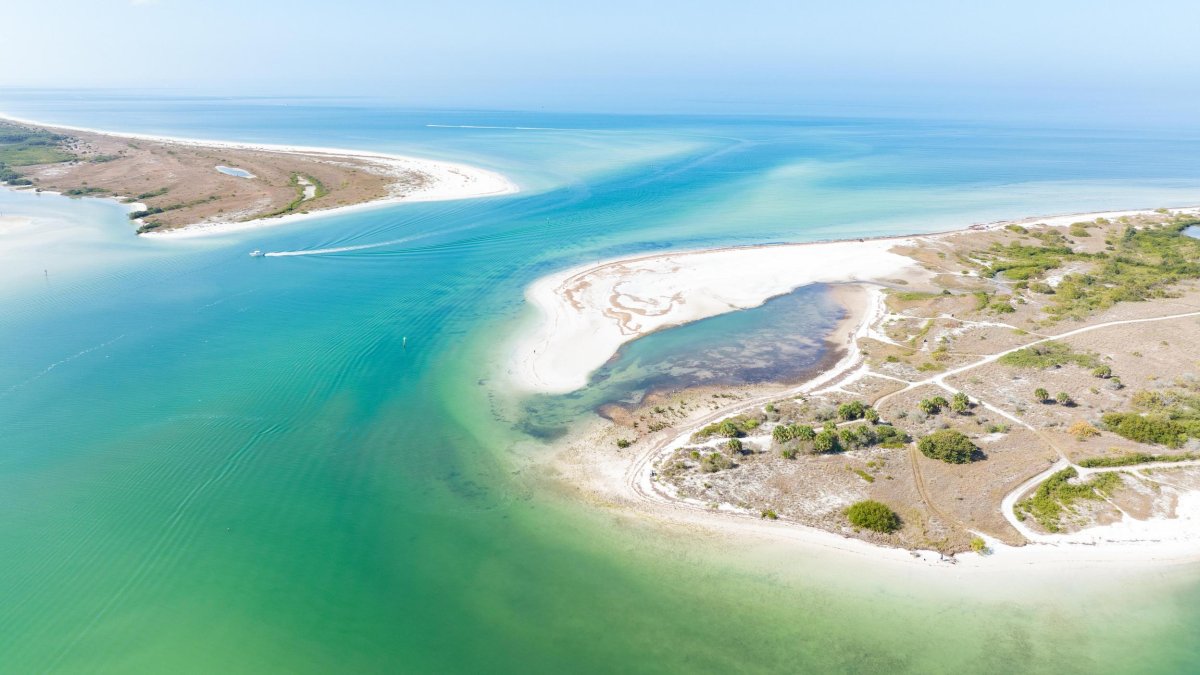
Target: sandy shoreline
{"x":574,"y":319}
{"x":448,"y":180}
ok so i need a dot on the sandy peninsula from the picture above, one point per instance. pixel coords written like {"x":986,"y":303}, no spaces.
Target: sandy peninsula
{"x":188,"y":187}
{"x":1060,"y":355}
{"x":587,"y":313}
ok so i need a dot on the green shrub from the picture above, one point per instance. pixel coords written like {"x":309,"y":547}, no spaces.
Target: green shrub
{"x":1153,"y":429}
{"x":872,"y":515}
{"x":826,"y":441}
{"x":949,"y":446}
{"x":786,"y":432}
{"x":960,"y":403}
{"x":888,"y":436}
{"x":623,"y":443}
{"x":851,"y":411}
{"x":715,"y":462}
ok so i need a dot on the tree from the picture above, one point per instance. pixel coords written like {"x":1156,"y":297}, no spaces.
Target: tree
{"x":960,"y":403}
{"x":851,"y":411}
{"x":872,"y":515}
{"x":948,"y":445}
{"x":826,"y":441}
{"x":1064,"y":398}
{"x":940,"y":401}
{"x":928,"y":407}
{"x":734,"y":446}
{"x":729,"y":429}
{"x":871,"y":416}
{"x":1040,"y":394}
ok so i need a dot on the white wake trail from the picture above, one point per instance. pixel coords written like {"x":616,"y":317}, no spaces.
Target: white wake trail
{"x":338,"y":249}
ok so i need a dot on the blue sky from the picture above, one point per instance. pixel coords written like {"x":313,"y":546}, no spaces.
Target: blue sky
{"x":752,"y":55}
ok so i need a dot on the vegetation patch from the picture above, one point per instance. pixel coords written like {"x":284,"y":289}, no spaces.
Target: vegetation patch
{"x":1131,"y":459}
{"x":733,"y":427}
{"x":1057,"y":495}
{"x":872,"y":515}
{"x":20,"y":146}
{"x":1049,"y":354}
{"x":949,"y":445}
{"x":1153,"y":429}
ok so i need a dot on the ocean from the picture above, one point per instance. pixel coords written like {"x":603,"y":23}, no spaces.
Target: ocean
{"x":313,"y":463}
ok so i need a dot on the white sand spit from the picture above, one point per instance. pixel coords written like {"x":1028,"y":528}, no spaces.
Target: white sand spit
{"x":587,"y":313}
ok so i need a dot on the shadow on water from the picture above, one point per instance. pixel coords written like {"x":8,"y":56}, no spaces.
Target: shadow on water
{"x":783,"y":340}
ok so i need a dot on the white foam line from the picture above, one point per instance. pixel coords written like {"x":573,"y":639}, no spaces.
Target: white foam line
{"x":56,"y":364}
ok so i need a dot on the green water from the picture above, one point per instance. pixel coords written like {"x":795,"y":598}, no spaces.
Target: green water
{"x":217,"y":463}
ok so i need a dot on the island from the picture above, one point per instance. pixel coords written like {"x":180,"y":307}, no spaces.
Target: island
{"x":1029,"y":386}
{"x":193,"y":187}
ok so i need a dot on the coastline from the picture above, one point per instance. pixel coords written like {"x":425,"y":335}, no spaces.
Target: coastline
{"x":450,"y":180}
{"x":627,"y":482}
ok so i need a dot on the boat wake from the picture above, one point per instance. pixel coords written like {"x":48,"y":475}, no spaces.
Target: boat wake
{"x":336,"y":249}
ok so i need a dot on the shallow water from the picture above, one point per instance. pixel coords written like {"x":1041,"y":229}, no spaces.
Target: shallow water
{"x":310,"y":463}
{"x":235,"y":172}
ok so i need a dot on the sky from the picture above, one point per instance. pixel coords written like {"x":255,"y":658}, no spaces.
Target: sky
{"x":624,"y":55}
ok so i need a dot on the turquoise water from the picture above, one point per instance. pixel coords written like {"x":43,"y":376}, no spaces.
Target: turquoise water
{"x":217,"y":463}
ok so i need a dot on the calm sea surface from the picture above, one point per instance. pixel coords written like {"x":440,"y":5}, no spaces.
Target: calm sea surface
{"x":217,"y":463}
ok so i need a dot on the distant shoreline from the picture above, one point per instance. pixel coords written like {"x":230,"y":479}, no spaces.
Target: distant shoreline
{"x":447,"y":180}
